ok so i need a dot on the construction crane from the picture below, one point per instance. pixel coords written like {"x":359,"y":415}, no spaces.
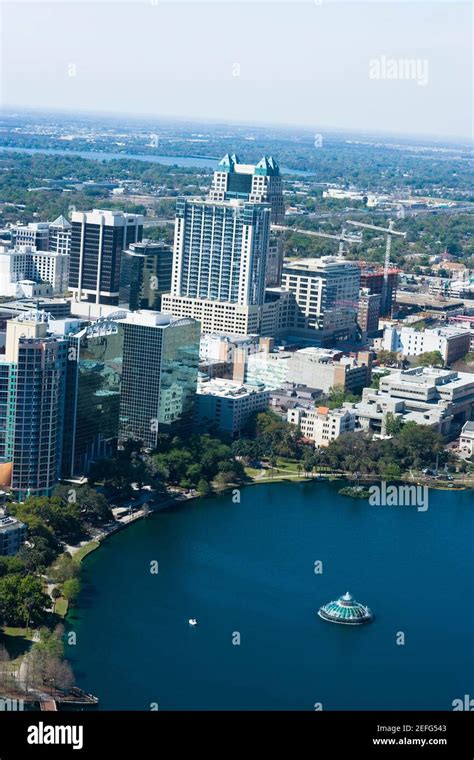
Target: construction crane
{"x":388,"y":231}
{"x":342,"y":238}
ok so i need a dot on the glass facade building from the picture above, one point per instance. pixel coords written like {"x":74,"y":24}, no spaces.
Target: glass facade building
{"x":37,"y":392}
{"x":145,"y":275}
{"x":160,"y":369}
{"x":93,"y":395}
{"x":97,"y":241}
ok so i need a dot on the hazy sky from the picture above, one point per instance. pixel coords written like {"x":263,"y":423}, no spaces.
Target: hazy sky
{"x":318,"y":63}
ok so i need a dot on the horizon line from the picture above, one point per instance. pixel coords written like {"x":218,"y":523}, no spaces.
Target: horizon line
{"x":433,"y":137}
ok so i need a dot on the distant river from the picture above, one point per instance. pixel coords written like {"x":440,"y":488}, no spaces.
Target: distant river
{"x":195,"y":161}
{"x":248,"y":568}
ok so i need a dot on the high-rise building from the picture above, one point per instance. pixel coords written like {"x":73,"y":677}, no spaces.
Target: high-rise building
{"x":368,"y":312}
{"x":159,"y":376}
{"x":24,"y":263}
{"x":145,"y":275}
{"x":98,"y":239}
{"x":34,"y":234}
{"x":326,"y":293}
{"x":32,"y":393}
{"x":94,"y":374}
{"x":16,"y":265}
{"x":220,"y":250}
{"x":219,"y":262}
{"x":260,"y":183}
{"x":60,"y":236}
{"x":44,"y":236}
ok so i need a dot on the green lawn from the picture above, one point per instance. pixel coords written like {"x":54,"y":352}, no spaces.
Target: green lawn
{"x":21,"y":632}
{"x":288,"y":465}
{"x":61,"y":606}
{"x":85,"y":550}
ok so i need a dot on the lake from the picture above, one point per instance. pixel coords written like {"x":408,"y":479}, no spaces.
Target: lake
{"x":246,"y":570}
{"x":194,"y":161}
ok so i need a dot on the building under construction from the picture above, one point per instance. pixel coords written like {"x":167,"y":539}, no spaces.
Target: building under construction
{"x":372,"y":278}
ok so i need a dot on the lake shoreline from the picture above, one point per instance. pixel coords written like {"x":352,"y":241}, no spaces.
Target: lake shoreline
{"x":172,"y":501}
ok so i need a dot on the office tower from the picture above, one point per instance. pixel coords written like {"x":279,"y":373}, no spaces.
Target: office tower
{"x":368,"y":312}
{"x":372,"y":278}
{"x":32,"y":385}
{"x":34,"y":234}
{"x":159,"y":377}
{"x":60,"y":236}
{"x":326,"y":293}
{"x":145,"y":275}
{"x":94,"y":374}
{"x":258,"y":184}
{"x":98,"y":239}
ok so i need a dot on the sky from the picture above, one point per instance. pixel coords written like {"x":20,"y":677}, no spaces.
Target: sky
{"x":388,"y":67}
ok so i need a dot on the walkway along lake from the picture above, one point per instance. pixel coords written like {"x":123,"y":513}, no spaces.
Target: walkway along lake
{"x":247,"y":571}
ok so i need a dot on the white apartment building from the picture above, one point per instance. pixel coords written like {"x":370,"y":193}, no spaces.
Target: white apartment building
{"x":326,"y":291}
{"x":228,"y":404}
{"x":322,"y":425}
{"x":26,"y":263}
{"x":34,"y":234}
{"x":45,"y":236}
{"x":53,"y":268}
{"x":451,"y":342}
{"x":15,"y":266}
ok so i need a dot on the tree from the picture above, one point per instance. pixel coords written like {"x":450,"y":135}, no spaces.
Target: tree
{"x":64,"y":568}
{"x":44,"y":662}
{"x":393,"y":424}
{"x":388,"y":358}
{"x":71,"y":589}
{"x":429,"y":359}
{"x":389,"y":471}
{"x":337,"y":396}
{"x":418,"y":446}
{"x":22,"y":600}
{"x":203,"y":488}
{"x":55,"y":594}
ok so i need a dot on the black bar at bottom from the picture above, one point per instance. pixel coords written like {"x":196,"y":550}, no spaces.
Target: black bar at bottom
{"x":143,"y":734}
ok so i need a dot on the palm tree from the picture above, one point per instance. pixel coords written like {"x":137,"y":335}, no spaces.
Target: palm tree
{"x":55,"y":594}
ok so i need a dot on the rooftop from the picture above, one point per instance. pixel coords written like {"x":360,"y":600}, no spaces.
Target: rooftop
{"x":146,"y":318}
{"x":318,"y":264}
{"x":228,"y":388}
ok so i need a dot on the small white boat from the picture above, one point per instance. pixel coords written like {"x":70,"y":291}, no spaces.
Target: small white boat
{"x":192,"y":621}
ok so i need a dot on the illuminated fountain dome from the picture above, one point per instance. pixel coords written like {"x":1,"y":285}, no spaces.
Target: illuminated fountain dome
{"x":346,"y":610}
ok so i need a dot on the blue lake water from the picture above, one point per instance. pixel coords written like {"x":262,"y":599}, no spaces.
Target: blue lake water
{"x":248,"y":568}
{"x":191,"y":161}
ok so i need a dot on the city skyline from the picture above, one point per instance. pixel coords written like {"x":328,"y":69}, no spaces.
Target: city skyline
{"x":382,"y":67}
